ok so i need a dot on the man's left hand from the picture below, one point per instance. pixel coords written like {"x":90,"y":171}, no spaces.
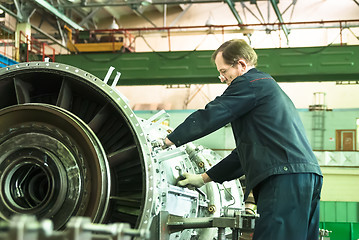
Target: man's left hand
{"x":167,"y":143}
{"x":191,"y":180}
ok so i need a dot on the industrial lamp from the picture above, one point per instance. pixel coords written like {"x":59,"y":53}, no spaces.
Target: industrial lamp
{"x":146,"y":2}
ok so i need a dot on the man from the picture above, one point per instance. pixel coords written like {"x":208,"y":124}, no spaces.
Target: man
{"x":271,"y":147}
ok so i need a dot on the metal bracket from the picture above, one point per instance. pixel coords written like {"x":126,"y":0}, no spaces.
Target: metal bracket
{"x":164,"y":224}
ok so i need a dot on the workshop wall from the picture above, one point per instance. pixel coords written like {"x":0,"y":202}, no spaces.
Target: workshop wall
{"x":336,"y":119}
{"x":221,"y":140}
{"x":194,"y":96}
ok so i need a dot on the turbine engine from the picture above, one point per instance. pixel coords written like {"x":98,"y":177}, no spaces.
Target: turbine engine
{"x":71,"y":146}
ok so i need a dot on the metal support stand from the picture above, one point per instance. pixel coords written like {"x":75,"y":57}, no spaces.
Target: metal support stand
{"x":26,"y":227}
{"x":164,"y":224}
{"x":221,"y":233}
{"x":324,"y":234}
{"x":235,"y":233}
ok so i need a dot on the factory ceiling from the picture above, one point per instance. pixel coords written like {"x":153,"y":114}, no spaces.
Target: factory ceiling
{"x":50,"y":16}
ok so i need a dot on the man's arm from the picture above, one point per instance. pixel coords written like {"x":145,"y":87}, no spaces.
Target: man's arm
{"x":227,"y":169}
{"x":206,"y":178}
{"x":237,"y":100}
{"x":201,"y":123}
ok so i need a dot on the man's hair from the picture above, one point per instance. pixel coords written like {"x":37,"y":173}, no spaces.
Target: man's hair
{"x":236,"y":49}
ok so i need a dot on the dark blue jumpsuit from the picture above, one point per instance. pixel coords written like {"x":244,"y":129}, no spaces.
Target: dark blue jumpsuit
{"x":272,"y":151}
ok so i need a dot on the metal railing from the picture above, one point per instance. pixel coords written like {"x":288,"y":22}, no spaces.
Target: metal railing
{"x":35,"y":49}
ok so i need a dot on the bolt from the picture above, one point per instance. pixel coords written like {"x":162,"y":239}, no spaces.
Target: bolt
{"x":211,"y":209}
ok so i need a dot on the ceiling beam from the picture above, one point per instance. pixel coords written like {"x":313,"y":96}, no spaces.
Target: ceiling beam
{"x":58,"y":14}
{"x":144,"y":17}
{"x":18,"y":9}
{"x":89,"y":16}
{"x":174,"y":22}
{"x":159,"y":8}
{"x":279,"y":16}
{"x":82,"y":13}
{"x":135,"y":2}
{"x":234,"y":11}
{"x":8,"y":11}
{"x":54,"y":40}
{"x":250,"y":11}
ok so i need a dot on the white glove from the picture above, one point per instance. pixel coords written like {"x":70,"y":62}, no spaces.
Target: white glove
{"x":191,"y":180}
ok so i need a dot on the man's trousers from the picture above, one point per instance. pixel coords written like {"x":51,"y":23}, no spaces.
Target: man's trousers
{"x":288,"y":205}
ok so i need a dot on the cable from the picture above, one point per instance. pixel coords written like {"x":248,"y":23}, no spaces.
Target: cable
{"x":92,"y":60}
{"x":173,"y":58}
{"x":234,"y":200}
{"x":353,"y":33}
{"x":317,"y":51}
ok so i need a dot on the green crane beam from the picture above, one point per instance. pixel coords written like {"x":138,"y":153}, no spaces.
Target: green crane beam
{"x":334,"y":63}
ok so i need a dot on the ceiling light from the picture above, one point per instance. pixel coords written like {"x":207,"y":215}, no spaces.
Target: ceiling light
{"x":114,"y":24}
{"x":146,"y":2}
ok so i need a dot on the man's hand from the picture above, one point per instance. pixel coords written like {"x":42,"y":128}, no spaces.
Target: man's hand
{"x":167,"y":143}
{"x":191,"y":181}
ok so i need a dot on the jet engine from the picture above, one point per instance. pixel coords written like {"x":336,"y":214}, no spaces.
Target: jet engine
{"x":70,"y":145}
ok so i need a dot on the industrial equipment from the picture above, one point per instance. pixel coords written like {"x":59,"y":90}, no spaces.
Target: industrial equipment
{"x":71,"y":146}
{"x":239,"y":222}
{"x":27,"y":227}
{"x":324,"y":234}
{"x":99,"y":41}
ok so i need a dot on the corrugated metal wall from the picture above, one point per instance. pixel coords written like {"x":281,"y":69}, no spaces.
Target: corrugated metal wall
{"x":341,"y":231}
{"x":339,"y":211}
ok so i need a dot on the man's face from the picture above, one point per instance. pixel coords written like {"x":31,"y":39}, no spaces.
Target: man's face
{"x":229,"y":72}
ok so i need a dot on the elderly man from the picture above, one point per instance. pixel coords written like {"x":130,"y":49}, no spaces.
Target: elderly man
{"x":272,"y":150}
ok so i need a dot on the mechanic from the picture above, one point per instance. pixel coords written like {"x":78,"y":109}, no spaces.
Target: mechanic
{"x":272,"y":150}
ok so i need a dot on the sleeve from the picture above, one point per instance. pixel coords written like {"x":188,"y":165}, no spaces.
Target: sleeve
{"x":227,"y":169}
{"x":201,"y":123}
{"x":236,"y":101}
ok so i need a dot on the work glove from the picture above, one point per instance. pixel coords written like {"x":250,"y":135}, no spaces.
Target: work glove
{"x":250,"y":205}
{"x":191,"y":181}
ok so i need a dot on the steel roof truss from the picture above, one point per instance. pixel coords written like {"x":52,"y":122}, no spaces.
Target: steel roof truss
{"x":234,"y":11}
{"x":279,"y":16}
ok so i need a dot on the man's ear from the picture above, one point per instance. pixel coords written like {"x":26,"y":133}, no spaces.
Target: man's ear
{"x":243,"y":63}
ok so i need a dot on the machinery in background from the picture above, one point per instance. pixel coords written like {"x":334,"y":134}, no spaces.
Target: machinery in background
{"x":6,"y":61}
{"x":238,"y":221}
{"x":71,"y":146}
{"x":25,"y":227}
{"x":324,"y":234}
{"x":99,"y":41}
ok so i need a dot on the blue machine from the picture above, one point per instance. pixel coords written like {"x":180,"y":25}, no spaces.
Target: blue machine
{"x":5,"y":61}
